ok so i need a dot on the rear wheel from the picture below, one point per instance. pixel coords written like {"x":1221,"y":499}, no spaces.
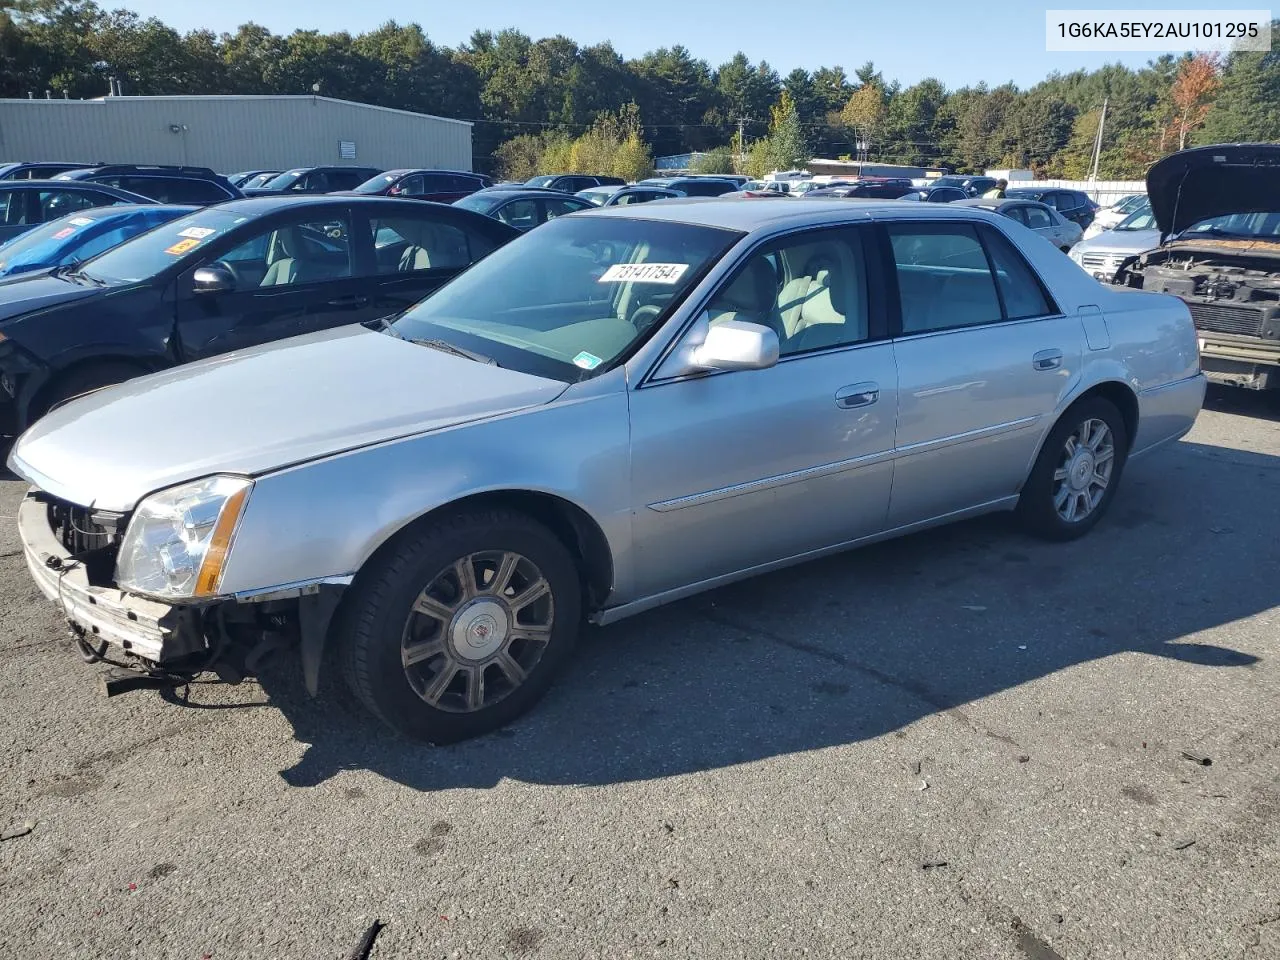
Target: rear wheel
{"x":461,"y":626}
{"x":1076,"y":475}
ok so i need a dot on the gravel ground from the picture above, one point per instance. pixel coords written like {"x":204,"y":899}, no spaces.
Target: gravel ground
{"x":962,"y":744}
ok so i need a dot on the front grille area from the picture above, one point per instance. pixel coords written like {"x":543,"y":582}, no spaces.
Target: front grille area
{"x":1227,"y":318}
{"x":1099,"y":261}
{"x":83,"y":530}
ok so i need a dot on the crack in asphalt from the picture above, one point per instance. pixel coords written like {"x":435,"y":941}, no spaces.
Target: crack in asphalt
{"x":912,"y":687}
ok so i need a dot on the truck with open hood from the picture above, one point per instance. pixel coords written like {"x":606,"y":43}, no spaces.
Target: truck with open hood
{"x":1218,"y":211}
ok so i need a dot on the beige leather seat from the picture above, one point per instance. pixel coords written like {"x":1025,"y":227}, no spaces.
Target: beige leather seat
{"x":826,"y":306}
{"x":431,"y":247}
{"x":290,"y":268}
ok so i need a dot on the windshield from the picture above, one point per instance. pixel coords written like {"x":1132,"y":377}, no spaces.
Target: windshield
{"x":597,"y":195}
{"x":258,"y":181}
{"x":1141,"y":220}
{"x":284,"y":180}
{"x":1265,"y":226}
{"x":481,"y":202}
{"x":1130,"y":204}
{"x":149,"y":254}
{"x":379,"y":183}
{"x":949,"y":182}
{"x":571,"y":297}
{"x":540,"y":181}
{"x":39,"y":244}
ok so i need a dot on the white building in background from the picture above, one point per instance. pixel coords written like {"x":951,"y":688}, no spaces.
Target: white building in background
{"x":231,"y":133}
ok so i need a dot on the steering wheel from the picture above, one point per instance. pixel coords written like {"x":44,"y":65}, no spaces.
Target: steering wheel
{"x":644,"y":316}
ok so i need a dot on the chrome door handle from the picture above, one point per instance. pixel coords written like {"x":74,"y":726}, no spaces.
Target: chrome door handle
{"x":1047,"y":360}
{"x":857,"y":395}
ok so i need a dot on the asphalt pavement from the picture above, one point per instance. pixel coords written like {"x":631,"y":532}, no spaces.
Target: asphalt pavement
{"x":964,"y":744}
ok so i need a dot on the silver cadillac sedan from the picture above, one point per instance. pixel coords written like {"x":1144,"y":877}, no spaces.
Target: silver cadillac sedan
{"x":620,"y":409}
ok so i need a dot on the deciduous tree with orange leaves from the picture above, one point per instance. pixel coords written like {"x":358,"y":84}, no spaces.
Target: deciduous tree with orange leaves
{"x":1192,"y":94}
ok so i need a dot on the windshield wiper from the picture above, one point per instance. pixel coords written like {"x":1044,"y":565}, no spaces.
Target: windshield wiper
{"x":447,"y":347}
{"x":71,"y":271}
{"x":385,"y":325}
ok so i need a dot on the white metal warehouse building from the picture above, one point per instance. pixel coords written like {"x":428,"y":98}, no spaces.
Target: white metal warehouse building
{"x":231,"y":133}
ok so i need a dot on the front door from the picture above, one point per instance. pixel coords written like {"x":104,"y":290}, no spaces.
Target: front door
{"x":295,"y":276}
{"x":982,"y":366}
{"x":735,"y":469}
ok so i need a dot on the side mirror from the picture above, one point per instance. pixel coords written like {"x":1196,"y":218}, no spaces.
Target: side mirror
{"x":737,"y":345}
{"x":214,"y":278}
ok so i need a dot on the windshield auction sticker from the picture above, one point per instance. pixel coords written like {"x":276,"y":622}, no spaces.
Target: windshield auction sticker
{"x":1157,"y":31}
{"x":182,"y":246}
{"x":197,"y":233}
{"x":644,"y":273}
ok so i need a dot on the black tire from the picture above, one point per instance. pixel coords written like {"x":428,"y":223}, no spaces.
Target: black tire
{"x":79,"y":381}
{"x":376,"y":612}
{"x":1037,"y":511}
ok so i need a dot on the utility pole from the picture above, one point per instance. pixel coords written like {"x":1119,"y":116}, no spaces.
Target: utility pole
{"x":742,"y":144}
{"x":1097,"y":144}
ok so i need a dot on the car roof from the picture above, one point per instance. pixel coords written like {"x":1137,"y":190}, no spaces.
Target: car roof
{"x":525,"y":192}
{"x":85,"y":186}
{"x":746,"y":214}
{"x":262,"y":205}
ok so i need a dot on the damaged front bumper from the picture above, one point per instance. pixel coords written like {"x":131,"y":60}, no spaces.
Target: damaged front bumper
{"x":229,"y":635}
{"x":159,"y":633}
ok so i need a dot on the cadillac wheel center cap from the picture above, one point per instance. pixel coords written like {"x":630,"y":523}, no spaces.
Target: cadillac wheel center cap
{"x":479,"y":630}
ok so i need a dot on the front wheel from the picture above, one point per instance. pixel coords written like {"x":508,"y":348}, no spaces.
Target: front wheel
{"x":1076,"y":475}
{"x":461,"y":626}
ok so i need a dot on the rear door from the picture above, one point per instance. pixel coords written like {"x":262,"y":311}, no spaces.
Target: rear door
{"x":414,"y":250}
{"x":984,"y":356}
{"x":294,"y":274}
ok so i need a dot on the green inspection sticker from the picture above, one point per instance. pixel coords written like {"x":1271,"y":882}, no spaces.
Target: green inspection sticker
{"x":587,"y":361}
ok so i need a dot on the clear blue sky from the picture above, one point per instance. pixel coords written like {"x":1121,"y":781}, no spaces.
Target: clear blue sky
{"x":959,"y":43}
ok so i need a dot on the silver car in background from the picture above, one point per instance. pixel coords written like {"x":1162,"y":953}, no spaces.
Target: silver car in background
{"x":1037,"y":216}
{"x":625,"y":407}
{"x":1102,"y":255}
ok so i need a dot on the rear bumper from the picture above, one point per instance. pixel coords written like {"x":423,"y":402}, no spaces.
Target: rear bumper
{"x":1240,"y":361}
{"x":154,"y":631}
{"x":1167,"y":413}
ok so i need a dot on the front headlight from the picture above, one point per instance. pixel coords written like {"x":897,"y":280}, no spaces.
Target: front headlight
{"x":1074,"y":253}
{"x":177,"y":542}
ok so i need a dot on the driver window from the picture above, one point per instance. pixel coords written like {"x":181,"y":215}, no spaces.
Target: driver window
{"x":290,"y":254}
{"x":810,"y":290}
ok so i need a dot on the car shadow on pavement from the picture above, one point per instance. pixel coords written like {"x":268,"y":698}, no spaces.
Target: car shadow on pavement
{"x":1258,"y":404}
{"x":862,"y":644}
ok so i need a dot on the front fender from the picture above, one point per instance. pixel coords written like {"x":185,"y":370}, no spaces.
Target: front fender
{"x":324,"y":519}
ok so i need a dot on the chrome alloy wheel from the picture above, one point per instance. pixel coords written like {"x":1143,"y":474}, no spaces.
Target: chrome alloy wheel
{"x":477,"y":630}
{"x":1084,"y":471}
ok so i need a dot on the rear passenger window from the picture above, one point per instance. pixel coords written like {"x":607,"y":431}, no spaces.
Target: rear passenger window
{"x":408,"y":244}
{"x":944,"y":280}
{"x":521,"y":214}
{"x":183,"y":191}
{"x":58,"y":203}
{"x":1036,"y":218}
{"x":1020,"y":290}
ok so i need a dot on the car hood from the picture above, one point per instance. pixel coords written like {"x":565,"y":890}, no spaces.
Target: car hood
{"x":259,"y":410}
{"x":1119,"y":241}
{"x":1204,"y":182}
{"x":23,"y":293}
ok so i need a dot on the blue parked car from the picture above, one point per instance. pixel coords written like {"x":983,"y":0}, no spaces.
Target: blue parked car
{"x":81,"y":235}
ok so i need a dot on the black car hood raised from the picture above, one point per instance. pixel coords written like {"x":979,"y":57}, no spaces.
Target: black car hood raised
{"x":29,"y":293}
{"x":1203,"y":182}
